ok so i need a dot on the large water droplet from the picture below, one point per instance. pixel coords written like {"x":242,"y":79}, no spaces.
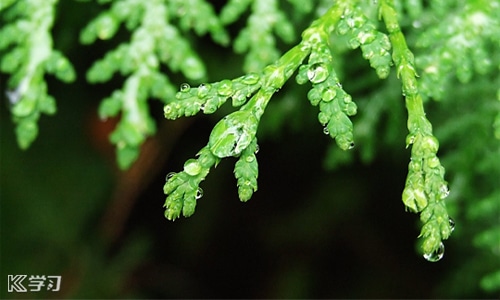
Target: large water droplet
{"x":452,"y":224}
{"x":317,"y":73}
{"x":225,"y":88}
{"x":185,"y":87}
{"x":192,"y":167}
{"x":436,"y":255}
{"x":199,"y":193}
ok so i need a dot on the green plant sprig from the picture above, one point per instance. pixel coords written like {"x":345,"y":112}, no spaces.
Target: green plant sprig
{"x":425,"y":185}
{"x":155,"y":41}
{"x":235,"y":134}
{"x":31,"y":57}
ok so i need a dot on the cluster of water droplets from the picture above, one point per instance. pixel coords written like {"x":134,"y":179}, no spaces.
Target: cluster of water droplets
{"x":209,"y":97}
{"x":374,"y":44}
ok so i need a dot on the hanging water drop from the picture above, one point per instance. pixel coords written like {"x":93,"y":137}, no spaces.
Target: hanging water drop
{"x":452,"y":224}
{"x":326,"y":131}
{"x":317,"y":73}
{"x":199,"y":193}
{"x":185,"y":87}
{"x":436,"y":255}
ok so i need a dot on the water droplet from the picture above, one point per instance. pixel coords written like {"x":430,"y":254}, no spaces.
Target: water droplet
{"x":257,"y":148}
{"x":199,"y":193}
{"x":169,"y":175}
{"x":351,"y":145}
{"x":328,"y":94}
{"x":339,"y":85}
{"x":317,"y":73}
{"x":326,"y":131}
{"x":167,"y":109}
{"x":250,"y":158}
{"x":192,"y":167}
{"x":436,"y":255}
{"x":251,"y":78}
{"x":203,"y":90}
{"x":225,"y":88}
{"x":452,"y":224}
{"x":185,"y":87}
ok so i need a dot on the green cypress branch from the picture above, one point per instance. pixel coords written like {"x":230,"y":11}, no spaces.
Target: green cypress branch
{"x":235,"y":134}
{"x":425,"y":185}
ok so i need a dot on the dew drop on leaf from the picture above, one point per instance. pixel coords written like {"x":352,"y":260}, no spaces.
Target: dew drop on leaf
{"x":185,"y":87}
{"x":192,"y":167}
{"x":326,"y":131}
{"x":225,"y":88}
{"x":257,"y":148}
{"x":317,"y":73}
{"x":328,"y":94}
{"x":436,"y":255}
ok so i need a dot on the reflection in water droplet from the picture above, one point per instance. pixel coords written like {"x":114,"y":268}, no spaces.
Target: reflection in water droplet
{"x":317,"y":73}
{"x":185,"y":87}
{"x":436,"y":255}
{"x":452,"y":224}
{"x":199,"y":193}
{"x":169,"y":175}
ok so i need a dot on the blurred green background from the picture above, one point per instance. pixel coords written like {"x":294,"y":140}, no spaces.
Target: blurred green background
{"x":323,"y":224}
